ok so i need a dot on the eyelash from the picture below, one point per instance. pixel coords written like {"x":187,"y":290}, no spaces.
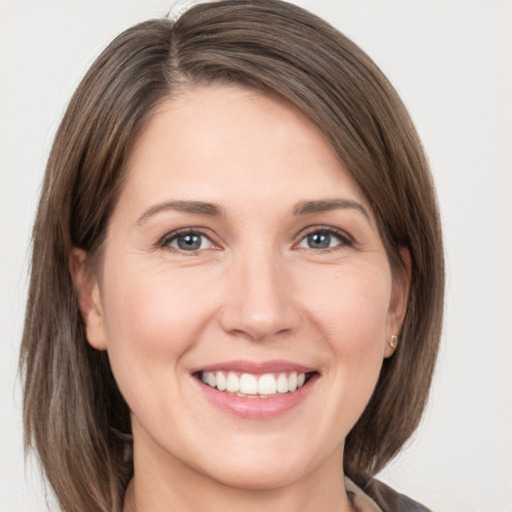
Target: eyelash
{"x":167,"y":239}
{"x":345,"y":239}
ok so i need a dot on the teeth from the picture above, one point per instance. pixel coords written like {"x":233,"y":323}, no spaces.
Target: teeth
{"x":221,"y":381}
{"x":233,"y":383}
{"x":292,"y":382}
{"x":212,"y":380}
{"x":282,"y":383}
{"x":250,"y":386}
{"x":267,"y":385}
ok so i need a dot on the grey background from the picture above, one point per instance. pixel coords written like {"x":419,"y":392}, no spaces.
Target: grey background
{"x":451,"y":62}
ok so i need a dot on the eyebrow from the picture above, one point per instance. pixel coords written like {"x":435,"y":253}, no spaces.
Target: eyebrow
{"x":323,"y":205}
{"x":194,"y":207}
{"x":214,"y":210}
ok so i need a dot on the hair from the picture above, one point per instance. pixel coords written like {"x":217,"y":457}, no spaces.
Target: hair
{"x":74,"y":414}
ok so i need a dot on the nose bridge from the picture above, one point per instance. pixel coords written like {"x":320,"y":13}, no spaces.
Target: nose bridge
{"x":259,"y":299}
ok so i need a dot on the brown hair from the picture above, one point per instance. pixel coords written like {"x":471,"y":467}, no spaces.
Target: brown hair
{"x":74,"y":414}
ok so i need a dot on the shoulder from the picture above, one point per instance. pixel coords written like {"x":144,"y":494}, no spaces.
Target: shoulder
{"x":390,"y":500}
{"x":376,"y":496}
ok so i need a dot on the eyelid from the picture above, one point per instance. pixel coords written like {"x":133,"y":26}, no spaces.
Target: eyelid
{"x":346,"y":239}
{"x":164,"y":241}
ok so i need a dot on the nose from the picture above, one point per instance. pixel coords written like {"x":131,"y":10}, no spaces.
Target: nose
{"x":259,"y":302}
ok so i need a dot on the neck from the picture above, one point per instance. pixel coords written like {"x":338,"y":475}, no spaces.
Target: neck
{"x":175,"y":486}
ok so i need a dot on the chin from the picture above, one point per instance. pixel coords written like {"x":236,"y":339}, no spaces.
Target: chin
{"x":258,"y":475}
{"x":265,"y":464}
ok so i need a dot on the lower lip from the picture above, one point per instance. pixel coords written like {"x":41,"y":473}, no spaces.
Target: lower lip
{"x":257,"y":408}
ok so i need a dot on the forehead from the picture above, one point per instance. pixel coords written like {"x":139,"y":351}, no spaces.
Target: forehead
{"x":223,"y":142}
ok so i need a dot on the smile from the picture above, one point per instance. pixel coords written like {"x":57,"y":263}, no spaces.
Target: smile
{"x":255,"y":390}
{"x":250,"y":385}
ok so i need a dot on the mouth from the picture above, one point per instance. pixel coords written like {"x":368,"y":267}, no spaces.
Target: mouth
{"x":250,"y":385}
{"x":253,"y":390}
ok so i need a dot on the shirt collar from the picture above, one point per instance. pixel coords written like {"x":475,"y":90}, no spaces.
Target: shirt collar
{"x":360,"y":501}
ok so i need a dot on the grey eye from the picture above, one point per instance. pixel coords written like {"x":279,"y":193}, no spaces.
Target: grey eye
{"x":319,"y":240}
{"x":189,"y":242}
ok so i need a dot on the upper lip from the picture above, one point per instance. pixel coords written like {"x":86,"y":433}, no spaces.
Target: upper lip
{"x":255,"y":367}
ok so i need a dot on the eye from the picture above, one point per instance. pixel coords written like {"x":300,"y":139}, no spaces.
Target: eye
{"x":189,"y":241}
{"x":324,"y":239}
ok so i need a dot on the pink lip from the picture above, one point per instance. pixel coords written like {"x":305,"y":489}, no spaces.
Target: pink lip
{"x":255,"y":367}
{"x":257,"y":408}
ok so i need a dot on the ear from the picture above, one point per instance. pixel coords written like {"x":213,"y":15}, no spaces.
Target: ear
{"x":89,"y":299}
{"x":398,"y":302}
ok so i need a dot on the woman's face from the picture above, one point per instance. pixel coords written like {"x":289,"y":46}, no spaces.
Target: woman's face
{"x":241,"y":253}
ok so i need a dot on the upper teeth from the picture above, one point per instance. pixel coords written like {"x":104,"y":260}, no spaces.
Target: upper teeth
{"x":249,"y":384}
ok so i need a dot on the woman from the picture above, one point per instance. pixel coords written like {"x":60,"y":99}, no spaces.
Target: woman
{"x":239,"y":235}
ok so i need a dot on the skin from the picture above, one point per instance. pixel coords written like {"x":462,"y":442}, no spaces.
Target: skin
{"x":255,"y":290}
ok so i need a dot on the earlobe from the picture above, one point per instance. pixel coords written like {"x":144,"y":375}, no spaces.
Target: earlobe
{"x":398,"y":303}
{"x":89,"y":299}
{"x":391,"y":346}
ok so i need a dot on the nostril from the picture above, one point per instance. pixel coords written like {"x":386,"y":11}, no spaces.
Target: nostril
{"x":257,"y":326}
{"x":259,"y":301}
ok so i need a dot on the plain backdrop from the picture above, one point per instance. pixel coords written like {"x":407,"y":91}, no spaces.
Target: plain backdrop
{"x":451,"y":60}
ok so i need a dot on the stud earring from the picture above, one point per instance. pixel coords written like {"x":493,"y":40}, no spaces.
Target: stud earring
{"x":394,"y":341}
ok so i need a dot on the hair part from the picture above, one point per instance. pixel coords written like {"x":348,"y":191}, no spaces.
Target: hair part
{"x":74,"y":414}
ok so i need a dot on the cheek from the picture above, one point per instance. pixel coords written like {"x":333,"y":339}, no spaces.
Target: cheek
{"x":348,"y":314}
{"x":152,"y":319}
{"x":152,"y":307}
{"x":351,"y":310}
{"x":351,"y":313}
